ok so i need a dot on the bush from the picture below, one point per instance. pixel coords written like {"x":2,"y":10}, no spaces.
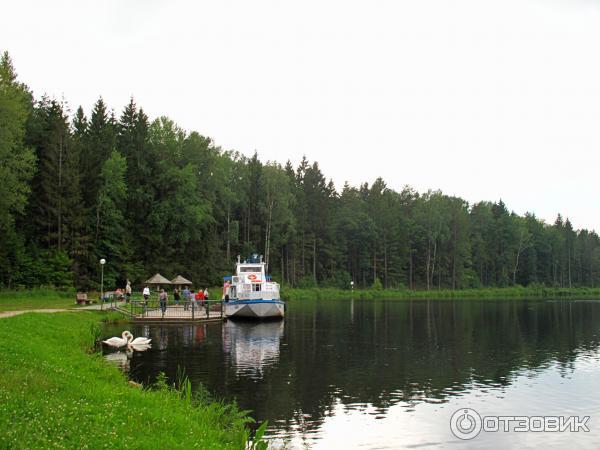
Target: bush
{"x":46,"y":269}
{"x":470,"y":280}
{"x":339,"y":280}
{"x":377,"y":285}
{"x":307,"y":283}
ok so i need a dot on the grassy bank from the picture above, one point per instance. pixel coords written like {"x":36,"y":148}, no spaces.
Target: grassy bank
{"x":54,"y":393}
{"x":492,"y":293}
{"x":36,"y":299}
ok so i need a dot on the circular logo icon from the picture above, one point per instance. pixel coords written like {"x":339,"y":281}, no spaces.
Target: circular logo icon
{"x":465,"y":423}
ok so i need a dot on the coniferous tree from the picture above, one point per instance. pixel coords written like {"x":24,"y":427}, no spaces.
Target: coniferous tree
{"x":99,"y":143}
{"x":49,"y":134}
{"x":110,"y":239}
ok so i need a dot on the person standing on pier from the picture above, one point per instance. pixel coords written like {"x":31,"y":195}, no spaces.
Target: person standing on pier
{"x":186,"y":298}
{"x":146,"y":293}
{"x":192,"y":300}
{"x":176,"y":296}
{"x":206,"y":294}
{"x":200,"y":297}
{"x":128,"y":291}
{"x":163,"y":301}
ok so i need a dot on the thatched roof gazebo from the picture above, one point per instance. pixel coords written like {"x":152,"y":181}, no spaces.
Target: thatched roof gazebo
{"x":180,"y":281}
{"x":158,"y":280}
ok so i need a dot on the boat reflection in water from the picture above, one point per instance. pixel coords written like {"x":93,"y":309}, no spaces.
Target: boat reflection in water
{"x":251,"y":347}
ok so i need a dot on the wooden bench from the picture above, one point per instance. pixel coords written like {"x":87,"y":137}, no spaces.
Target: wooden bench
{"x":82,"y":298}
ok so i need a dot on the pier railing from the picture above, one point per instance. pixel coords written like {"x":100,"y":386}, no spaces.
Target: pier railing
{"x":152,"y":309}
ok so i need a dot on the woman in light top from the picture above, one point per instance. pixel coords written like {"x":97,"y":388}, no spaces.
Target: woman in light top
{"x":128,"y":291}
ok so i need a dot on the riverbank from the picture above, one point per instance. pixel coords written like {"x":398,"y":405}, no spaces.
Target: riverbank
{"x":55,"y":392}
{"x":438,"y":294}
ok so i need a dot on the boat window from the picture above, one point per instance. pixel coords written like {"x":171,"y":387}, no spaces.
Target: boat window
{"x":256,"y":287}
{"x":250,"y":269}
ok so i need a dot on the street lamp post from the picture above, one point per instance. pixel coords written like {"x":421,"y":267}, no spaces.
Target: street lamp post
{"x":102,"y":262}
{"x":352,"y":288}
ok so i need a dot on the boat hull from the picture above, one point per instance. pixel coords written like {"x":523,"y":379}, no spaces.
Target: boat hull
{"x":255,"y":309}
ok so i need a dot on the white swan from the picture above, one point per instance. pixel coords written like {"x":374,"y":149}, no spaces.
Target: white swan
{"x":137,"y":340}
{"x":139,"y":347}
{"x":118,"y":342}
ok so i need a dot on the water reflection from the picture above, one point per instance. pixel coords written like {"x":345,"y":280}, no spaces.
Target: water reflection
{"x":334,"y":368}
{"x":120,"y":359}
{"x":252,"y":346}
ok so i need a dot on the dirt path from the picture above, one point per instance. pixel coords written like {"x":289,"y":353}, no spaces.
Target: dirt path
{"x":16,"y":313}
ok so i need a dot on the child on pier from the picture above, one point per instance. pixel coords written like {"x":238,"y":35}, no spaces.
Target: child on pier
{"x":191,"y":301}
{"x":186,"y":298}
{"x":200,"y":297}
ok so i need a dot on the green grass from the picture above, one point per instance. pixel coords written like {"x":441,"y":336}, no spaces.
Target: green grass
{"x":405,"y":294}
{"x":56,"y":393}
{"x":36,"y":299}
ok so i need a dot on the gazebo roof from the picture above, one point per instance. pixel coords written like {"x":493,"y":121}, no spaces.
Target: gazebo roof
{"x":179,"y":280}
{"x":157,"y":279}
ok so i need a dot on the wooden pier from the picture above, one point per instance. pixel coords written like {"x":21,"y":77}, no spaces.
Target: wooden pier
{"x":151,"y":311}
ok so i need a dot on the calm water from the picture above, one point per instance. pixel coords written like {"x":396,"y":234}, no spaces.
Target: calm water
{"x":390,"y":374}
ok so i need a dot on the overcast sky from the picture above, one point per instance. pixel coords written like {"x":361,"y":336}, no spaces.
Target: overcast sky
{"x":481,"y":99}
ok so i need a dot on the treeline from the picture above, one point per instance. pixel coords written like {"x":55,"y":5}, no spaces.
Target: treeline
{"x":151,"y":197}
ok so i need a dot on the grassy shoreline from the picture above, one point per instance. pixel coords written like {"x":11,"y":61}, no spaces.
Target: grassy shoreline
{"x":435,"y":294}
{"x":46,"y":298}
{"x":56,"y":393}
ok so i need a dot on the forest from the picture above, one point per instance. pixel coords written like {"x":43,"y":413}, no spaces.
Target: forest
{"x":151,"y":197}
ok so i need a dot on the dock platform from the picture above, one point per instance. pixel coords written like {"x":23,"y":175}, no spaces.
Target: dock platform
{"x":151,"y":311}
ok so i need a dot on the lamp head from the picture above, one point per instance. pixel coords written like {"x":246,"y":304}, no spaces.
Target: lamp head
{"x":102,"y":261}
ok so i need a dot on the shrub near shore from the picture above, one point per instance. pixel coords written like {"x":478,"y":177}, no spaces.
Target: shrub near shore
{"x":55,"y":394}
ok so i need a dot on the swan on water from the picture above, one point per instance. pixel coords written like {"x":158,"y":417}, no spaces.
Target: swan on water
{"x":139,"y":347}
{"x":137,"y":340}
{"x":118,"y":342}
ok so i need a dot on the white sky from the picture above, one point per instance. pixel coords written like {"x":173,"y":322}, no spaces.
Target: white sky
{"x":481,"y":99}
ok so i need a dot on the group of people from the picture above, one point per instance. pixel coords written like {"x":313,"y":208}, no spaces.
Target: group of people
{"x":190,"y":298}
{"x":124,"y":294}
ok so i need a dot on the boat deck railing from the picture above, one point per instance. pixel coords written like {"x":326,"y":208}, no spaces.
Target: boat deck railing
{"x":182,"y":311}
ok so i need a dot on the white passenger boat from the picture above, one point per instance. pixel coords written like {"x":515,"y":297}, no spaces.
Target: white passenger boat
{"x":251,"y":293}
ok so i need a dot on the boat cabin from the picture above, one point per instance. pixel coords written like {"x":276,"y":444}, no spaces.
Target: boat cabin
{"x":250,"y":282}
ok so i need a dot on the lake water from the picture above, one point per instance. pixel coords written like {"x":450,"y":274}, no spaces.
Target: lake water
{"x":390,"y":374}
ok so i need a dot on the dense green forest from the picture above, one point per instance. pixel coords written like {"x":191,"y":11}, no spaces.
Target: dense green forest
{"x":149,"y":196}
